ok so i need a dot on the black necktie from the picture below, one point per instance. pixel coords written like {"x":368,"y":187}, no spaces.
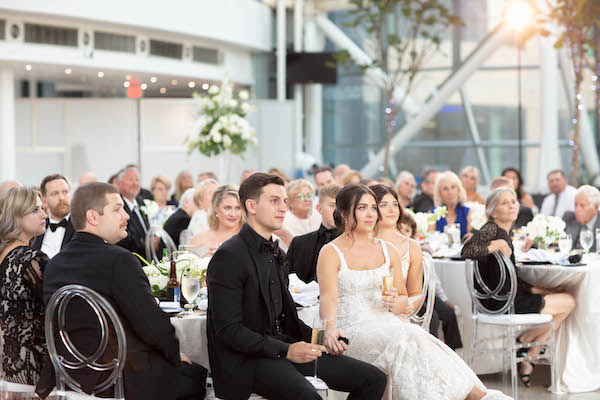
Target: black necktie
{"x":62,"y":223}
{"x":269,"y":246}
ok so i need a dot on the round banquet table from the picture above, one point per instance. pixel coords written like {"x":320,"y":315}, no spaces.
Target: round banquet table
{"x":578,"y":337}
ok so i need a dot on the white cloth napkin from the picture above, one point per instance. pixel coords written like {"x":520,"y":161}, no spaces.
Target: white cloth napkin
{"x":305,"y":294}
{"x":544,"y":256}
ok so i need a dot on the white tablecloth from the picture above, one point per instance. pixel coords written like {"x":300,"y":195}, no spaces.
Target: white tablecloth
{"x":579,"y":335}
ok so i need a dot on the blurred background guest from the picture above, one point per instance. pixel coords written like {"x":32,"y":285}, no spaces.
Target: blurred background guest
{"x":206,"y":175}
{"x":183,"y":182}
{"x":202,"y":199}
{"x":160,"y":188}
{"x":469,"y":177}
{"x":87,"y":177}
{"x":225,"y":219}
{"x":561,"y":197}
{"x":300,"y":218}
{"x":21,"y":292}
{"x":350,"y":177}
{"x":515,"y":176}
{"x":246,"y":173}
{"x":406,"y":187}
{"x":585,"y":216}
{"x":339,"y":171}
{"x":180,"y":219}
{"x":323,"y":177}
{"x":7,"y":185}
{"x":449,"y":192}
{"x":424,"y":200}
{"x":386,"y":181}
{"x":280,"y":173}
{"x":128,"y":184}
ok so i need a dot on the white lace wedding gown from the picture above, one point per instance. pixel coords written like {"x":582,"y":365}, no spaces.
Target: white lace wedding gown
{"x":420,"y":366}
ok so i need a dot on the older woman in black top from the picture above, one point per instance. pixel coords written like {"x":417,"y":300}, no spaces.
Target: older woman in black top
{"x":502,"y":208}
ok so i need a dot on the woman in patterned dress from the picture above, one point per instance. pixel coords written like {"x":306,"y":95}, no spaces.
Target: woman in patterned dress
{"x":22,"y":218}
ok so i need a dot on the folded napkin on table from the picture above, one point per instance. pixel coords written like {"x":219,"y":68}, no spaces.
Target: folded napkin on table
{"x":543,"y":256}
{"x":305,"y":294}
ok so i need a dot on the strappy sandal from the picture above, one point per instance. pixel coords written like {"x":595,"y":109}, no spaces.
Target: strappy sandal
{"x":524,"y":378}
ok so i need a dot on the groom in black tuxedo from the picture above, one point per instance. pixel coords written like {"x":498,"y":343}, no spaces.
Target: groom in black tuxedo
{"x":56,"y":196}
{"x":256,"y":342}
{"x":304,"y":250}
{"x":128,"y":183}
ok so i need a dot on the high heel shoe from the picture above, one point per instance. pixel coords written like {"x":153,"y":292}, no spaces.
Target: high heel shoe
{"x":524,"y":378}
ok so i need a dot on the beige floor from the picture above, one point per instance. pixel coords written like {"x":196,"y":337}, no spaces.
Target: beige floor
{"x":539,"y":388}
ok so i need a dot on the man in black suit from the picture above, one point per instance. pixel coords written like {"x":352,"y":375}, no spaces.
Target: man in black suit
{"x":423,"y":202}
{"x":304,"y":250}
{"x":585,"y":217}
{"x":153,"y":367}
{"x":56,"y":196}
{"x":180,"y":219}
{"x":256,"y":342}
{"x":128,"y":183}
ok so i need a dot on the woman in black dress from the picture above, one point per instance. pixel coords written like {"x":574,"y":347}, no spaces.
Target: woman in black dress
{"x":22,"y":218}
{"x":501,"y":209}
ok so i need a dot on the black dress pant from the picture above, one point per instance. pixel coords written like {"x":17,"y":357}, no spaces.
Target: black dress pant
{"x":191,"y":382}
{"x":444,"y":313}
{"x":283,"y":380}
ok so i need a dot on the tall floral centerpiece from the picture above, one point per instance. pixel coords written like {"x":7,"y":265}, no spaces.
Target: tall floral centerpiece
{"x":220,"y":124}
{"x":544,"y":230}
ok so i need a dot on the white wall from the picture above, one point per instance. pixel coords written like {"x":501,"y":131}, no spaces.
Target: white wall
{"x":72,"y":136}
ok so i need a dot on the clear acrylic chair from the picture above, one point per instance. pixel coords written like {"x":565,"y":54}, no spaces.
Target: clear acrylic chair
{"x":512,"y":324}
{"x":157,"y":231}
{"x":56,"y":315}
{"x":421,"y":315}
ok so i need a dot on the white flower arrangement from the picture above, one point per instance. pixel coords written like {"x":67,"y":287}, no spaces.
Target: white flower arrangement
{"x":221,"y":123}
{"x":150,"y":208}
{"x":545,"y":229}
{"x":478,"y":218}
{"x":424,"y":220}
{"x":187,"y":264}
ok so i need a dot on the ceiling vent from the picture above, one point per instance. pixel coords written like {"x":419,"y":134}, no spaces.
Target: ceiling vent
{"x":206,"y":55}
{"x":166,"y":49}
{"x":114,"y":42}
{"x":52,"y":35}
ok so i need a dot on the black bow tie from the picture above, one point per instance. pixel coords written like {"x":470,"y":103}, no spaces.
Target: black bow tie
{"x":269,"y":246}
{"x":62,"y":223}
{"x":330,"y":234}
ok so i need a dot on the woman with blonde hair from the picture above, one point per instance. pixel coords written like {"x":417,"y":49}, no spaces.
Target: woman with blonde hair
{"x":301,"y":218}
{"x":225,"y":219}
{"x":406,"y":185}
{"x":202,"y":199}
{"x":469,"y":177}
{"x":183,"y":182}
{"x":450,"y":193}
{"x":160,"y":188}
{"x":351,"y":176}
{"x":22,"y":218}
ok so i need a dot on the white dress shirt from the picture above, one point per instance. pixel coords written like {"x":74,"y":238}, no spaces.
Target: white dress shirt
{"x":52,"y":241}
{"x":135,"y":207}
{"x":566,"y":202}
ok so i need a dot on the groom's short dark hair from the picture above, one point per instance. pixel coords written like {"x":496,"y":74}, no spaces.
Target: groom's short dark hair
{"x":252,"y":187}
{"x":91,"y":196}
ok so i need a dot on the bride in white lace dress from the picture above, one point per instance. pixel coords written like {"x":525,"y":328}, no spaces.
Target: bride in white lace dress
{"x":350,"y":270}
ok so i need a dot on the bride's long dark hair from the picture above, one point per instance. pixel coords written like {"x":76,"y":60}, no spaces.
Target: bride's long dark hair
{"x":346,"y":202}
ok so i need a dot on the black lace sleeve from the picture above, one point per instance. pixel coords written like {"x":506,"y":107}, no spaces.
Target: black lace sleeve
{"x":34,"y":263}
{"x":477,"y":246}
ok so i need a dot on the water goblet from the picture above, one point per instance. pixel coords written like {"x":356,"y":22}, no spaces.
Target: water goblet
{"x":586,"y":239}
{"x":565,"y":243}
{"x":190,"y":289}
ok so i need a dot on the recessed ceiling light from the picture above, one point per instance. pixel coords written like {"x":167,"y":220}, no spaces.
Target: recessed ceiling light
{"x":28,"y":67}
{"x":163,"y":90}
{"x":68,"y":71}
{"x":100,"y":74}
{"x":205,"y":86}
{"x":126,"y":83}
{"x":153,"y":79}
{"x":192,"y":84}
{"x":144,"y":86}
{"x":174,"y":82}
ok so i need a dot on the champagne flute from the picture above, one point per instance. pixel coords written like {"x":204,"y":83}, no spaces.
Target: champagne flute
{"x":190,"y":289}
{"x":586,"y":239}
{"x":565,"y":242}
{"x":388,"y":284}
{"x":317,"y":337}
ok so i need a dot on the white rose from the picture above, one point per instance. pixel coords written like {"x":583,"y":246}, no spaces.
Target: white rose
{"x":214,"y":89}
{"x":227,"y":141}
{"x":244,"y":95}
{"x":217,"y":137}
{"x":245,"y":108}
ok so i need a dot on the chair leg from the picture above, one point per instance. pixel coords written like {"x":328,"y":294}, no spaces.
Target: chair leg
{"x":553,"y":351}
{"x":471,"y":354}
{"x":513,"y":362}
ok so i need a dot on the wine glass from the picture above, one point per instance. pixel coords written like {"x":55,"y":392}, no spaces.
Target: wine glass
{"x":190,"y":289}
{"x":565,"y":242}
{"x":317,"y":337}
{"x":586,"y":239}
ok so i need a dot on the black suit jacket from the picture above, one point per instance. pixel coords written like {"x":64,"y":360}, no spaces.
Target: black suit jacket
{"x":422,"y":203}
{"x":524,"y":217}
{"x":69,"y":231}
{"x":176,"y":223}
{"x":152,"y":348}
{"x":240,"y":317}
{"x":573,"y":228}
{"x":304,"y":252}
{"x":136,"y":235}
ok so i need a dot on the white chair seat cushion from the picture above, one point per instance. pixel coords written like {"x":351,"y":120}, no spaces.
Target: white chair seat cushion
{"x":514,"y":319}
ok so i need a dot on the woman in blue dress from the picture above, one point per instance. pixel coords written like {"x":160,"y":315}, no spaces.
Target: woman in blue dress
{"x":449,"y":192}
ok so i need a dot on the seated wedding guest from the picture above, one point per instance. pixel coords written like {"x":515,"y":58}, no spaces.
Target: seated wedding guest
{"x":424,"y":200}
{"x":385,"y":181}
{"x":351,"y":269}
{"x":225,"y":220}
{"x":449,"y":192}
{"x":7,"y":185}
{"x":301,"y":218}
{"x":323,"y":177}
{"x":469,"y":176}
{"x":351,"y":177}
{"x":180,"y":219}
{"x":515,"y":176}
{"x":154,"y":369}
{"x":561,"y":197}
{"x":183,"y":182}
{"x":501,"y":208}
{"x":160,"y":188}
{"x":585,"y":217}
{"x":369,"y":182}
{"x":304,"y":250}
{"x":246,"y":173}
{"x":87,"y":177}
{"x":56,"y":197}
{"x":113,"y":179}
{"x":206,"y":175}
{"x":256,"y":342}
{"x":525,"y":213}
{"x":443,"y":309}
{"x":202,"y":199}
{"x":128,"y":183}
{"x":406,"y":187}
{"x":339,"y":171}
{"x":21,"y":303}
{"x":280,"y":173}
